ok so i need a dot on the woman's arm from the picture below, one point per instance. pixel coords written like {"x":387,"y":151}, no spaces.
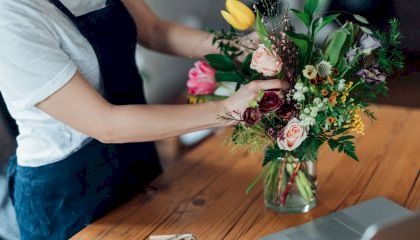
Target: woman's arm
{"x":168,"y":37}
{"x":81,"y":107}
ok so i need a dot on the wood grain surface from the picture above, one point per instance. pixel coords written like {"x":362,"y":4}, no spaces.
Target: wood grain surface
{"x":205,"y":192}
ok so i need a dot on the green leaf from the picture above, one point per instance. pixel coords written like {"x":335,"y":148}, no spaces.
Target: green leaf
{"x":335,"y":46}
{"x":333,"y":144}
{"x":220,"y":62}
{"x":246,"y":64}
{"x":325,"y":21}
{"x":308,"y":150}
{"x":349,"y":150}
{"x":313,"y":6}
{"x":222,"y":76}
{"x":262,"y":31}
{"x":361,"y":19}
{"x":264,"y":172}
{"x":345,"y":138}
{"x":300,"y":40}
{"x":366,"y":30}
{"x":340,"y":131}
{"x":352,"y":155}
{"x":272,"y":153}
{"x":304,"y":17}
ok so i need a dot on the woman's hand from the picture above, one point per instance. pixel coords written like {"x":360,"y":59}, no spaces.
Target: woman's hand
{"x":240,"y":100}
{"x":247,"y":44}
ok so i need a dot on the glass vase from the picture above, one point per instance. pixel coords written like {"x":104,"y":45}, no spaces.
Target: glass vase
{"x":290,"y":185}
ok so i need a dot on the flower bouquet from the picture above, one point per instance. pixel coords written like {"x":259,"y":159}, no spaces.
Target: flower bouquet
{"x":332,"y":85}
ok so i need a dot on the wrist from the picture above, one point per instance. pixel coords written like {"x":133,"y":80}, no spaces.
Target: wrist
{"x":221,"y":110}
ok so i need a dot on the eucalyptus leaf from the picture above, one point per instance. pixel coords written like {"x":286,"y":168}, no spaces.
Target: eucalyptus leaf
{"x":304,"y":17}
{"x":325,"y":21}
{"x":222,"y":76}
{"x":262,"y":31}
{"x":220,"y":62}
{"x":361,"y":19}
{"x":366,"y":30}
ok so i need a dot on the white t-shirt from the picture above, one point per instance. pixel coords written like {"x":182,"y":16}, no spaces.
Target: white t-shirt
{"x":40,"y":51}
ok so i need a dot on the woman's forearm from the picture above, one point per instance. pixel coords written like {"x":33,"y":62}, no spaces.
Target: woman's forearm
{"x":194,"y":43}
{"x":166,"y":36}
{"x":78,"y":105}
{"x":138,"y":123}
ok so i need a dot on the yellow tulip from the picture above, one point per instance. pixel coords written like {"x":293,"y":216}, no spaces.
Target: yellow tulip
{"x":238,"y":15}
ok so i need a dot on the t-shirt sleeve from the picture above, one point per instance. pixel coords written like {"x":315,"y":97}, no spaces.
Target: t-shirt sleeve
{"x":32,"y":64}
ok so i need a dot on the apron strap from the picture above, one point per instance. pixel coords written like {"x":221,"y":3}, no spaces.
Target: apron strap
{"x":64,"y":9}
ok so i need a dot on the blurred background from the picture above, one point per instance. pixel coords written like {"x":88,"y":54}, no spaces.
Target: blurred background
{"x":165,"y":76}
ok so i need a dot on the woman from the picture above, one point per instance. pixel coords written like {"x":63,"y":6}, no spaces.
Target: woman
{"x":68,"y":76}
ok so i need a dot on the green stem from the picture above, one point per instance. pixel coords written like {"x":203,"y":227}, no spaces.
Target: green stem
{"x":306,"y":185}
{"x":264,"y":172}
{"x":302,"y":190}
{"x":355,"y":85}
{"x":355,"y":59}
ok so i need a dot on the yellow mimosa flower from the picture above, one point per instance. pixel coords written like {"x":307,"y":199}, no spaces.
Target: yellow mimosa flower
{"x":238,"y":15}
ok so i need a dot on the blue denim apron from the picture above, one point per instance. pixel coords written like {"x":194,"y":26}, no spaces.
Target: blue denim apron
{"x":57,"y":200}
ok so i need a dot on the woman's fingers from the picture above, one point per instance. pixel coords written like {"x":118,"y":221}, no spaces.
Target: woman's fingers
{"x":269,"y":84}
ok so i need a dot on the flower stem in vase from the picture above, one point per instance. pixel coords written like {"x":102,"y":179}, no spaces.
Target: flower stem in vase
{"x":293,"y":173}
{"x":280,"y":183}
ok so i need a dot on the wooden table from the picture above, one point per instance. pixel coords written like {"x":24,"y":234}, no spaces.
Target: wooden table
{"x":204,"y":193}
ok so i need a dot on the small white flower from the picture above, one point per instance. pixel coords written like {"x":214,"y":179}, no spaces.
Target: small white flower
{"x":325,"y":100}
{"x":299,"y":86}
{"x":341,"y":85}
{"x":305,"y":89}
{"x":321,"y":106}
{"x":306,"y":110}
{"x":315,"y":108}
{"x":308,"y":121}
{"x":317,"y":101}
{"x":299,"y":96}
{"x":302,"y":116}
{"x":314,"y":111}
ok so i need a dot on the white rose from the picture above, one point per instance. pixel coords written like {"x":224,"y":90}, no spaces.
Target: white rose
{"x":266,"y":62}
{"x":293,"y":135}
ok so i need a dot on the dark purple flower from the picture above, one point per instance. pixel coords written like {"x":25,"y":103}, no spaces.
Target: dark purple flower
{"x":270,"y":102}
{"x":372,"y":75}
{"x":251,"y":116}
{"x":271,"y":132}
{"x":287,"y":111}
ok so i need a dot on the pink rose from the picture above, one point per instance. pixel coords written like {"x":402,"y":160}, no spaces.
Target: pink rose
{"x":292,"y":136}
{"x":202,"y":80}
{"x":266,"y":62}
